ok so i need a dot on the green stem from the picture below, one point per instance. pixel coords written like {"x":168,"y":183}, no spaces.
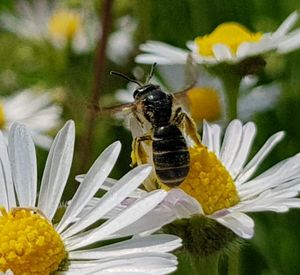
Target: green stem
{"x":233,"y":263}
{"x":204,"y":266}
{"x":231,"y":89}
{"x":231,"y":78}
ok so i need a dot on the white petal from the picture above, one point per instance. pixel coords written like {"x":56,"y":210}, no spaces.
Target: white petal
{"x":222,"y":52}
{"x":127,"y":217}
{"x":154,"y":243}
{"x":57,"y":170}
{"x":286,"y":25}
{"x":112,"y":198}
{"x":7,"y":197}
{"x":249,"y":131}
{"x":91,"y":184}
{"x":212,"y":137}
{"x":290,"y":44}
{"x":282,"y":172}
{"x":23,"y":164}
{"x":259,"y":99}
{"x":239,"y":223}
{"x":251,"y":167}
{"x":231,"y":142}
{"x":158,"y":51}
{"x":143,"y":263}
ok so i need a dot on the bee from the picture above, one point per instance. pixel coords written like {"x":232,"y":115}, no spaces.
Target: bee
{"x":159,"y":123}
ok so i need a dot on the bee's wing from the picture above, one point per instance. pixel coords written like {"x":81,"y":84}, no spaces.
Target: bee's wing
{"x":191,"y":73}
{"x":191,"y":77}
{"x":118,"y":111}
{"x":181,"y":99}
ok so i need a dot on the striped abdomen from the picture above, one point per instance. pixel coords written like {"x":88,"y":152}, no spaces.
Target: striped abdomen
{"x":170,"y":155}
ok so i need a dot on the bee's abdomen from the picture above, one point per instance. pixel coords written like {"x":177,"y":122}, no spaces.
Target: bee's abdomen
{"x":170,"y":155}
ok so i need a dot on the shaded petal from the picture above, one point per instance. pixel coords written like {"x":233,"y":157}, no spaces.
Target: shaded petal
{"x":222,"y":52}
{"x":212,"y":137}
{"x":7,"y":197}
{"x":127,"y":217}
{"x":159,"y":51}
{"x":290,"y":43}
{"x":57,"y":170}
{"x":22,"y":156}
{"x":239,"y":159}
{"x":286,"y":25}
{"x":91,"y":184}
{"x":252,"y":166}
{"x":154,"y":243}
{"x":231,"y":142}
{"x":280,"y":173}
{"x":239,"y":223}
{"x":112,"y":198}
{"x":143,"y":263}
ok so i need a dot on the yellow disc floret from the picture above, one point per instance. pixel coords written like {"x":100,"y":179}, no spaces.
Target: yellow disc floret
{"x":64,"y":24}
{"x":2,"y":116}
{"x":230,"y":34}
{"x":29,"y":244}
{"x":209,"y":182}
{"x":204,"y":103}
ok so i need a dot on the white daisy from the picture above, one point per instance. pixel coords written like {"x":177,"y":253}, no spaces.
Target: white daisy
{"x":35,"y":110}
{"x":53,"y":22}
{"x":121,"y":43}
{"x":229,"y":42}
{"x":207,"y":98}
{"x":220,"y":185}
{"x":36,"y":246}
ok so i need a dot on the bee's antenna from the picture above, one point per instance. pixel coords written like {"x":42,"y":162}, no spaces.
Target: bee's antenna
{"x":151,"y":72}
{"x":126,"y":77}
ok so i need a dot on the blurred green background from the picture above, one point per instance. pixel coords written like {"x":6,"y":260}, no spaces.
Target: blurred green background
{"x":275,"y":249}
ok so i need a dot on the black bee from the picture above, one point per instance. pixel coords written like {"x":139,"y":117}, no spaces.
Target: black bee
{"x":166,"y":125}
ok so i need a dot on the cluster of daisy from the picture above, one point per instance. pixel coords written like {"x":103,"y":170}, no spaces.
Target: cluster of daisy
{"x":209,"y":209}
{"x":114,"y":234}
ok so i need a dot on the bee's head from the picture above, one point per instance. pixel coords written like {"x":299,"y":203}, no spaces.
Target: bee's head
{"x":143,"y":88}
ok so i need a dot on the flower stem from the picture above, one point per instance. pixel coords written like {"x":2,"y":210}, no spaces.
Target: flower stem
{"x":231,"y":89}
{"x":233,"y":263}
{"x":99,"y":64}
{"x":231,"y":78}
{"x":204,"y":266}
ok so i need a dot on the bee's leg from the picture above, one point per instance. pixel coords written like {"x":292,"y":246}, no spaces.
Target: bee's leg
{"x":189,"y":125}
{"x":139,"y":154}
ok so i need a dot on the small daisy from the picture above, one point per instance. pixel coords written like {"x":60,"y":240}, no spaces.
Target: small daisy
{"x":121,"y":42}
{"x":35,"y":110}
{"x":32,"y":242}
{"x":220,"y":189}
{"x":41,"y":20}
{"x":229,"y":42}
{"x":207,"y":98}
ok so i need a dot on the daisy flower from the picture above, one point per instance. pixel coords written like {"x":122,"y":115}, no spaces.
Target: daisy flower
{"x":44,"y":21}
{"x":35,"y":110}
{"x":229,"y":42}
{"x":32,"y":242}
{"x":209,"y":208}
{"x":121,"y":42}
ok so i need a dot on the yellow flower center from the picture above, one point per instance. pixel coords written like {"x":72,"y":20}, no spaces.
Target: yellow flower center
{"x":28,"y":243}
{"x":231,"y":34}
{"x":64,"y":24}
{"x":209,"y":182}
{"x":2,"y":116}
{"x":204,"y":103}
